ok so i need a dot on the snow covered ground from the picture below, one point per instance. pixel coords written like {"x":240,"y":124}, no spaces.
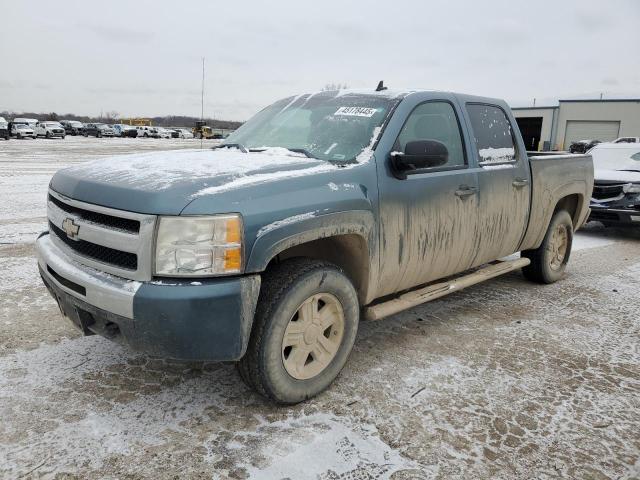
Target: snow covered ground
{"x":504,"y":380}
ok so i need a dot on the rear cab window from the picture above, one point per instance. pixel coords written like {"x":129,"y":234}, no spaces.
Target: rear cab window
{"x":492,"y":133}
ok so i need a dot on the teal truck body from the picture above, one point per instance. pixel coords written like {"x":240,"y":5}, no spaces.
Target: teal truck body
{"x":395,"y":190}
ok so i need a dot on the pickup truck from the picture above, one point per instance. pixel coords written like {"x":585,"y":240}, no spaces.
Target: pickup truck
{"x":49,"y":130}
{"x":98,"y":130}
{"x":321,"y":211}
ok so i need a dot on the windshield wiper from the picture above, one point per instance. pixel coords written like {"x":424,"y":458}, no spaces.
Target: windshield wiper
{"x":239,"y":146}
{"x":303,"y":151}
{"x":629,"y":170}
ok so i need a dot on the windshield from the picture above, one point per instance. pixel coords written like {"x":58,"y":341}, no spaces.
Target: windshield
{"x":332,"y":126}
{"x":626,"y":158}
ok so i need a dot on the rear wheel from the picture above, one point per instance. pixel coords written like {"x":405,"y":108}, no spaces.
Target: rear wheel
{"x":549,"y":261}
{"x":305,"y":325}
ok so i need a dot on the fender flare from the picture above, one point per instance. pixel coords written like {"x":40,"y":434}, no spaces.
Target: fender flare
{"x":274,"y":241}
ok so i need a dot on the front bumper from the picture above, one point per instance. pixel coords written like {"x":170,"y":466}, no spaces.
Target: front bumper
{"x":615,"y":216}
{"x":209,"y":319}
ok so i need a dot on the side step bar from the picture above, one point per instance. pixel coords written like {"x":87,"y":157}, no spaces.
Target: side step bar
{"x":437,"y":290}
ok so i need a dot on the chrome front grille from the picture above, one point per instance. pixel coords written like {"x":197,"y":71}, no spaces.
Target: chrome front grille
{"x":113,"y":241}
{"x":603,"y":191}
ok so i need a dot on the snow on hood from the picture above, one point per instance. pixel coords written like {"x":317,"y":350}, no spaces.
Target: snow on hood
{"x":162,"y":170}
{"x":616,"y":176}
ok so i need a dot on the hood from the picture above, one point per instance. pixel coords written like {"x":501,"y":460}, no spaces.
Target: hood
{"x":616,"y":176}
{"x":166,"y":182}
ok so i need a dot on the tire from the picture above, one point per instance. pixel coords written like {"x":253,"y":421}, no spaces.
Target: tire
{"x":286,"y":289}
{"x":98,"y":135}
{"x":47,"y":135}
{"x":19,"y":137}
{"x":549,"y":260}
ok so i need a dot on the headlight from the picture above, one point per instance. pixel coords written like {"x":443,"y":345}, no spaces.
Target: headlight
{"x":199,"y":246}
{"x":631,"y":188}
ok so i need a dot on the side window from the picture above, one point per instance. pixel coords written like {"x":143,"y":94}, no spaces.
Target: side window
{"x":493,"y":134}
{"x":434,"y":121}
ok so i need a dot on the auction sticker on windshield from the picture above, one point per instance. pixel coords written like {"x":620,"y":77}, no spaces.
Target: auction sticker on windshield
{"x":356,"y":111}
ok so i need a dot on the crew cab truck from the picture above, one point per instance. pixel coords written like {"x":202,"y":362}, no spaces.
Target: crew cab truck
{"x":321,"y":211}
{"x":49,"y":130}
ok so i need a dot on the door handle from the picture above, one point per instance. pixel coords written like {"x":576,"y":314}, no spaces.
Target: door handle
{"x":465,"y":191}
{"x":520,"y":182}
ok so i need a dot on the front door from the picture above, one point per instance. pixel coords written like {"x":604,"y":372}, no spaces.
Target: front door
{"x":428,"y":219}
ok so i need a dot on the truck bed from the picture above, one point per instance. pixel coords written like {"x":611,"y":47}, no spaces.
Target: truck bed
{"x":556,"y":176}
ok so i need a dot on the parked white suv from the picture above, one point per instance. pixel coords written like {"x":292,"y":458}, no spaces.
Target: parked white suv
{"x":31,"y":122}
{"x":184,"y":133}
{"x":21,"y":130}
{"x":49,"y":130}
{"x":163,"y":132}
{"x":147,"y":132}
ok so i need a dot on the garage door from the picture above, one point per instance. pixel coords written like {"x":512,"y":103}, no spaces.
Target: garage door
{"x":582,"y":130}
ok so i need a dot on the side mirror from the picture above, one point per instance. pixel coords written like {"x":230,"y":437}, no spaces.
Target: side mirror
{"x":420,"y":154}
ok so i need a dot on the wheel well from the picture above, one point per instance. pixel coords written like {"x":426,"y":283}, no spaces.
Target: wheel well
{"x":572,"y":204}
{"x":349,"y":252}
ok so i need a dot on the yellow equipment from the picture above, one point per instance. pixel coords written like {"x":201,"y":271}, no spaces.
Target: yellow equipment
{"x":202,"y":130}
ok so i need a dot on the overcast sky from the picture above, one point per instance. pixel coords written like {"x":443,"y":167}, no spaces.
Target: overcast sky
{"x":144,"y":57}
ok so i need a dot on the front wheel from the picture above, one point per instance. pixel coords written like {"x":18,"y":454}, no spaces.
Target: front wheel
{"x":549,"y":260}
{"x":305,"y":324}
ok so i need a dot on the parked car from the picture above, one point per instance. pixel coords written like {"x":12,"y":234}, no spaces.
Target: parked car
{"x":163,"y":132}
{"x":270,"y":248}
{"x":21,"y":130}
{"x":72,"y":127}
{"x":147,"y":132}
{"x":616,"y":192}
{"x":31,"y":122}
{"x":98,"y":130}
{"x":122,"y":130}
{"x":627,"y":140}
{"x":4,"y":129}
{"x":49,"y":130}
{"x":184,"y":133}
{"x":583,"y":146}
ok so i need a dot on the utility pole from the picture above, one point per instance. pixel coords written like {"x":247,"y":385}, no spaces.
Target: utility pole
{"x":202,"y":103}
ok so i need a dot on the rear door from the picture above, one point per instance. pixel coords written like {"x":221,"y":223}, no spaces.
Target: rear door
{"x":504,"y":181}
{"x":428,"y":219}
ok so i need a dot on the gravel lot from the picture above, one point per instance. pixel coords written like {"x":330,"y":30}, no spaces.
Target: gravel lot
{"x":504,"y":380}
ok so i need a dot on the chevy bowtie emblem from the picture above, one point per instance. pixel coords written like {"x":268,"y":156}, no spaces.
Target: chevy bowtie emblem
{"x":70,"y":228}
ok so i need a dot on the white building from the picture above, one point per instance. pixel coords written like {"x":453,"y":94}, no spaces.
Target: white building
{"x":554,"y":128}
